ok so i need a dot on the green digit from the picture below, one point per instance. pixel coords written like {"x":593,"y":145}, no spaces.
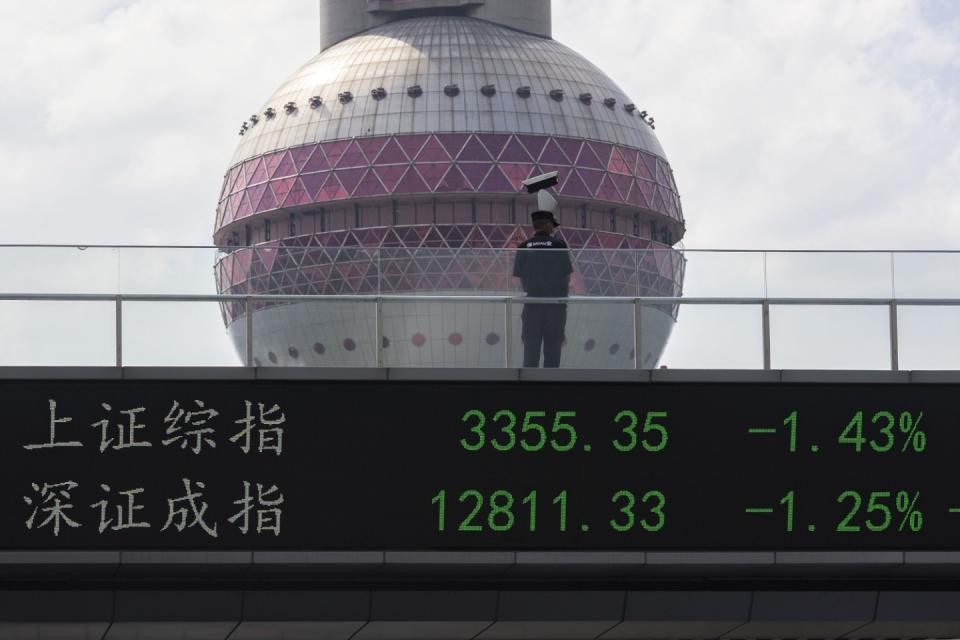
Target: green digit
{"x":791,"y":421}
{"x":874,"y":504}
{"x":441,"y":500}
{"x":887,"y":431}
{"x":531,"y":499}
{"x":845,"y":526}
{"x":650,"y":425}
{"x":477,"y":505}
{"x":657,"y":510}
{"x":630,"y":430}
{"x":506,"y":429}
{"x":501,"y":507}
{"x":561,"y":500}
{"x":788,"y":501}
{"x":533,"y":426}
{"x":568,"y":428}
{"x":855,"y":425}
{"x":477,"y":429}
{"x":626,"y":510}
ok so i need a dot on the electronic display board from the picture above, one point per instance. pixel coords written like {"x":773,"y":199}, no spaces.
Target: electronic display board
{"x":315,"y":465}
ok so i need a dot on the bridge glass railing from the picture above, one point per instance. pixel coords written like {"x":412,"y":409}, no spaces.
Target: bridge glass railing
{"x":170,"y":313}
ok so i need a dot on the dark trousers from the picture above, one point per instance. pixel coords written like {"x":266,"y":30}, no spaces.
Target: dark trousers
{"x":543,"y":324}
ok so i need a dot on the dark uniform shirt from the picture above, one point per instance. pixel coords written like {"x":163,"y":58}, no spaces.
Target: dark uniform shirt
{"x":545,"y":274}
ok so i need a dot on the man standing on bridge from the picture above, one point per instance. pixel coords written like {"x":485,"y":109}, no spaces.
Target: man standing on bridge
{"x":544,"y":273}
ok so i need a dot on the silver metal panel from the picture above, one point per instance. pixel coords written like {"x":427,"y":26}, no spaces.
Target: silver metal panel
{"x":186,"y":557}
{"x":433,"y":51}
{"x":839,"y":557}
{"x":710,"y":557}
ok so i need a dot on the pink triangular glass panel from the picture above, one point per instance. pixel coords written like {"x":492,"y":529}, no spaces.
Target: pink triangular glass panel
{"x":622,"y":183}
{"x":475,"y":172}
{"x":474,"y":151}
{"x":391,"y":153}
{"x":333,"y":150}
{"x":608,"y":191}
{"x":300,"y":155}
{"x":312,"y":183}
{"x":352,"y":157}
{"x":255,"y":193}
{"x":574,"y":187}
{"x":433,"y":239}
{"x":245,"y":208}
{"x":390,"y":174}
{"x":350,"y":178}
{"x":281,"y":188}
{"x":411,"y":183}
{"x":552,"y":154}
{"x":317,"y":162}
{"x":285,"y":167}
{"x":411,"y":144}
{"x":496,"y":182}
{"x":271,"y":162}
{"x":591,"y":179}
{"x":635,"y":196}
{"x":514,"y":152}
{"x":658,"y":203}
{"x":602,"y":151}
{"x":298,"y":195}
{"x":371,"y":147}
{"x":647,"y":189}
{"x":588,"y":159}
{"x":493,"y":142}
{"x":650,"y":163}
{"x":454,"y":181}
{"x":332,"y":190}
{"x":570,"y":147}
{"x":452,"y":142}
{"x":241,"y":181}
{"x":432,"y":172}
{"x":516,"y":172}
{"x":255,"y":172}
{"x":533,"y":144}
{"x":432,"y":151}
{"x":617,"y":163}
{"x":369,"y":186}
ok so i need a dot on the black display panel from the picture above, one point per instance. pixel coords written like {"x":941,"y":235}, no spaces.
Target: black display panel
{"x":473,"y":465}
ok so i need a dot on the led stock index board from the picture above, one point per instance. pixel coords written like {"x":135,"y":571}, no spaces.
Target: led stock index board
{"x":473,"y":465}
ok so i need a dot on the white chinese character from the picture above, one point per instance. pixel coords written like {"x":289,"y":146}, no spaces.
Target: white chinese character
{"x":190,"y":419}
{"x":126,"y":433}
{"x":54,"y":502}
{"x":125,"y":513}
{"x":270,"y":435}
{"x":181,"y":514}
{"x":54,"y":421}
{"x":268,"y":519}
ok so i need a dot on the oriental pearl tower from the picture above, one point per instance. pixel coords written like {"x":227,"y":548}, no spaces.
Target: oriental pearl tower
{"x":392,"y":163}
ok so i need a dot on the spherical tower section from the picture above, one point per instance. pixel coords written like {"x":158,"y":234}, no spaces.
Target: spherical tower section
{"x":392,"y":163}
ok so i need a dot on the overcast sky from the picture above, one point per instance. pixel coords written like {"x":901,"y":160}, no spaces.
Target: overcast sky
{"x":804,"y":124}
{"x":789,"y":124}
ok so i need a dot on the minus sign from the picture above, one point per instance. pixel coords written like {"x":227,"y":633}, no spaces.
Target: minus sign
{"x":954,"y":509}
{"x":762,"y":430}
{"x":759,"y":510}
